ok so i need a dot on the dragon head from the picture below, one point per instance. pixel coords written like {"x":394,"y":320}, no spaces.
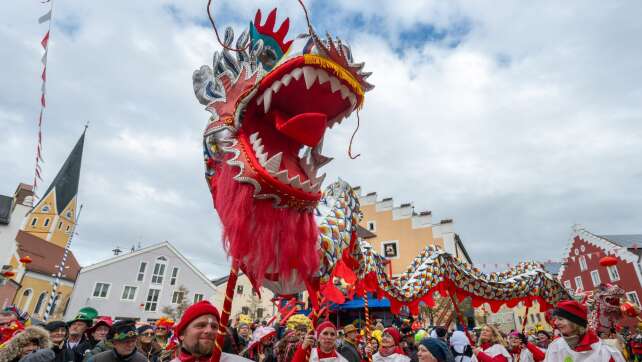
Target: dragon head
{"x":271,"y":104}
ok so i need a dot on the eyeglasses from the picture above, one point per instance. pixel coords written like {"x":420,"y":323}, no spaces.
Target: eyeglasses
{"x":148,"y":334}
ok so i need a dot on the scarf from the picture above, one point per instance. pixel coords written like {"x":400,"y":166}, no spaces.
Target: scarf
{"x":388,"y":351}
{"x":572,"y":341}
{"x":185,"y":356}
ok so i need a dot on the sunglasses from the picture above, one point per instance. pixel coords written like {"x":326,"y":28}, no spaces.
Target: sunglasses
{"x":148,"y":334}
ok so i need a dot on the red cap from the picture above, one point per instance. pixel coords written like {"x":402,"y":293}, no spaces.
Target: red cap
{"x":394,"y":333}
{"x":104,"y":320}
{"x":194,"y":311}
{"x":324,"y":325}
{"x":572,"y":310}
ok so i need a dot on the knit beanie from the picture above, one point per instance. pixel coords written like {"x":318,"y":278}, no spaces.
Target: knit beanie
{"x":573,"y":311}
{"x":324,"y":325}
{"x":143,"y":329}
{"x":194,"y":311}
{"x":438,"y":349}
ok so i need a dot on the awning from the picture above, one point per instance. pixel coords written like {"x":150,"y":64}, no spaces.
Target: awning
{"x":357,"y":303}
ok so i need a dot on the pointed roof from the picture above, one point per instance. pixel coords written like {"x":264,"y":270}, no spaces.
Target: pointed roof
{"x":66,"y":181}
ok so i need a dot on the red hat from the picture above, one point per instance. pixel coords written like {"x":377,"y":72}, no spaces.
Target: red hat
{"x":572,"y":310}
{"x":194,"y":311}
{"x":100,"y":321}
{"x":394,"y":333}
{"x":324,"y":325}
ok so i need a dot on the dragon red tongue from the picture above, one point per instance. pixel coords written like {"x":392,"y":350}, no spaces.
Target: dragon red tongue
{"x":306,"y":128}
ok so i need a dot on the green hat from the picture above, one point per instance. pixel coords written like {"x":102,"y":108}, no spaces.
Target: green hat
{"x":85,"y":314}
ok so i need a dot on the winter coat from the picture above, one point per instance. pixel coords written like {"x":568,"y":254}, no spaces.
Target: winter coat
{"x":63,"y":353}
{"x":13,"y":348}
{"x":349,"y":351}
{"x":152,"y":353}
{"x":41,"y":355}
{"x":102,"y":346}
{"x":395,"y":357}
{"x":111,"y":356}
{"x":589,"y":349}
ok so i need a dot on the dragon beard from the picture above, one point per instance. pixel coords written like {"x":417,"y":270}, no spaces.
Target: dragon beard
{"x":268,"y":241}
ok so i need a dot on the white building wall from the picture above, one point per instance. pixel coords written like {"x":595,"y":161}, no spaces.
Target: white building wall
{"x":243,"y":298}
{"x":8,"y":233}
{"x":123,"y":271}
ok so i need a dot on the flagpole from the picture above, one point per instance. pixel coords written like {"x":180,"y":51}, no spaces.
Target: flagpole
{"x":61,"y":268}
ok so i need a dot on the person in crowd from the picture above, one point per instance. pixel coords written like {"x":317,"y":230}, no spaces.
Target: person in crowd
{"x":522,"y":350}
{"x":76,"y":340}
{"x":9,"y":325}
{"x":543,"y":339}
{"x":389,"y":350}
{"x":460,"y":347}
{"x":379,"y":326}
{"x":98,"y":331}
{"x":374,"y":343}
{"x":409,"y":346}
{"x":433,"y":350}
{"x":244,"y":335}
{"x":58,"y":336}
{"x":22,"y":344}
{"x":439,"y":332}
{"x":285,"y":348}
{"x":261,"y":348}
{"x":325,"y":349}
{"x":147,"y":344}
{"x":635,"y":346}
{"x":163,"y":331}
{"x":196,"y":335}
{"x":349,"y":346}
{"x":123,"y":336}
{"x":578,"y":343}
{"x":491,"y":346}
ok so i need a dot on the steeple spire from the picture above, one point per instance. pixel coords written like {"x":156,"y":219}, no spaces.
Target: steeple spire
{"x":66,"y":182}
{"x":54,"y":216}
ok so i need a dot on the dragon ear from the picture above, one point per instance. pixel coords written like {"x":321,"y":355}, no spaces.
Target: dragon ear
{"x":267,"y":30}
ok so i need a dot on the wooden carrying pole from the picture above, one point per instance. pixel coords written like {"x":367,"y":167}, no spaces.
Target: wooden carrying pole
{"x":367,"y":315}
{"x":227,"y":309}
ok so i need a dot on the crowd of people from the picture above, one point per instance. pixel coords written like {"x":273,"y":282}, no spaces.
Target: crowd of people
{"x":91,"y":338}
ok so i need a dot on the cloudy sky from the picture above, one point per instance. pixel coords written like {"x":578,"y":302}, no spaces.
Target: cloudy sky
{"x":516,"y":119}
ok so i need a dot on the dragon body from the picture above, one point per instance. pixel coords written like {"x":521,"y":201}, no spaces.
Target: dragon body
{"x":271,"y":103}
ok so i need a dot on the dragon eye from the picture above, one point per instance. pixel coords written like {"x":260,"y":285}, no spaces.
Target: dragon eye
{"x":268,"y":58}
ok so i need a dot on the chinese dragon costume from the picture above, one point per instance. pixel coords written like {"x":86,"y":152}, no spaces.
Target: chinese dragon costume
{"x":271,"y":101}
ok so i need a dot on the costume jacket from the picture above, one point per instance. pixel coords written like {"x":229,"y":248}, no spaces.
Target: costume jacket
{"x":493,"y":353}
{"x":589,"y":349}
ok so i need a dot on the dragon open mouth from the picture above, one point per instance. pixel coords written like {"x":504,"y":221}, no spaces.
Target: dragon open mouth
{"x":285,"y":120}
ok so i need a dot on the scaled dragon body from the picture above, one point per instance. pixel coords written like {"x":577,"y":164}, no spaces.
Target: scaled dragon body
{"x":271,"y":103}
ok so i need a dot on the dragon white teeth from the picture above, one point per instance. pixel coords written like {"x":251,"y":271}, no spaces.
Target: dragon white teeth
{"x":259,"y":100}
{"x":282,"y":176}
{"x":335,"y":84}
{"x":305,"y":186}
{"x":276,"y":86}
{"x":319,"y":180}
{"x":286,"y":79}
{"x":296,"y":181}
{"x":344,"y":91}
{"x":353,"y":100}
{"x":253,"y":137}
{"x":272,"y":165}
{"x":267,"y":100}
{"x":323,"y":76}
{"x":310,"y":76}
{"x":296,"y":73}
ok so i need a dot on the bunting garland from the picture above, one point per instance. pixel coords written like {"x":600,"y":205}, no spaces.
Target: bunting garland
{"x":46,"y":18}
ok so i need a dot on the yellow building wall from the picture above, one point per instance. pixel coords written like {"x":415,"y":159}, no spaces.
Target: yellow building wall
{"x":38,"y":217}
{"x":37,"y":287}
{"x":61,"y":232}
{"x":535,"y":320}
{"x":410,"y":241}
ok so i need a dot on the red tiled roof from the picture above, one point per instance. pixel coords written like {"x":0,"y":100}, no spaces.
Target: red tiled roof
{"x":45,"y":256}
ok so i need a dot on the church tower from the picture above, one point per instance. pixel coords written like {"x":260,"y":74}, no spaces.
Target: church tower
{"x":54,"y":216}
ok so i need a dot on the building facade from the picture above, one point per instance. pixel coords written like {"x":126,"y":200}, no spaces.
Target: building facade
{"x":583,"y":272}
{"x":246,"y":300}
{"x":401,"y":233}
{"x":138,"y":285}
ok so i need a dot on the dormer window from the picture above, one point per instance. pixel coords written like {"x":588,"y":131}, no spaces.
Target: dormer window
{"x":68,"y":214}
{"x":45,"y":208}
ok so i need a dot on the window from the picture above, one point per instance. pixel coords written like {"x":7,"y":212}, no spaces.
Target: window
{"x":239,"y":289}
{"x":129,"y":293}
{"x":578,"y":283}
{"x":172,"y":281}
{"x":46,"y":222}
{"x":259,"y":313}
{"x":39,"y":304}
{"x":595,"y":277}
{"x":177,"y":297}
{"x":372,"y":226}
{"x":26,"y":299}
{"x":613,"y":274}
{"x":45,"y":208}
{"x":389,"y":249}
{"x":34,"y":221}
{"x":532,"y":318}
{"x":159,"y":271}
{"x":69,"y":214}
{"x":198,"y":297}
{"x":141,"y":271}
{"x":567,"y":284}
{"x":101,"y":290}
{"x":152,"y":300}
{"x":633,"y":298}
{"x":60,"y":225}
{"x":245,"y":310}
{"x":67,"y":228}
{"x":583,"y":265}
